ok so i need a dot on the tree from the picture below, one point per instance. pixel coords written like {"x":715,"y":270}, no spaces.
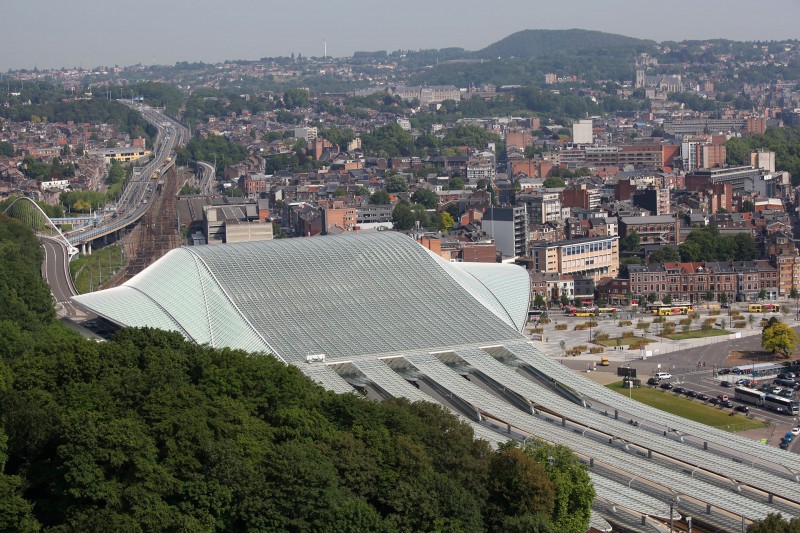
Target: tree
{"x":631,"y":242}
{"x":778,"y":337}
{"x":539,"y":300}
{"x":446,"y":222}
{"x":570,"y":477}
{"x":455,"y":184}
{"x":762,"y":294}
{"x":554,"y":183}
{"x":710,"y":296}
{"x":396,"y":183}
{"x":775,"y":523}
{"x":665,"y":254}
{"x":748,"y":206}
{"x":723,"y":298}
{"x":380,"y":198}
{"x":794,"y":294}
{"x":667,"y":299}
{"x":426,"y":197}
{"x":564,"y":299}
{"x":652,"y":297}
{"x":403,"y":217}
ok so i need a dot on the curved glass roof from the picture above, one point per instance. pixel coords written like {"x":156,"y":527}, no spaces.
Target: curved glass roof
{"x":346,"y":296}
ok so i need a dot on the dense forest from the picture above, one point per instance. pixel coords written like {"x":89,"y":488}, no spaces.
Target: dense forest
{"x":148,"y":432}
{"x":214,"y":149}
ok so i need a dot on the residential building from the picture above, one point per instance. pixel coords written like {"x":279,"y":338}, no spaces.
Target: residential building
{"x":657,"y":230}
{"x":582,"y":132}
{"x":508,"y":226}
{"x":699,"y":282}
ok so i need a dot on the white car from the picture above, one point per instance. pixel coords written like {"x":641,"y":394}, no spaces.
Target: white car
{"x":796,"y":431}
{"x":662,"y":375}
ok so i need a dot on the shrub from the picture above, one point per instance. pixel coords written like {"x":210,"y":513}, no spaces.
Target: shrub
{"x":709,"y":321}
{"x":706,"y":327}
{"x":715,"y":312}
{"x":643,"y":325}
{"x":601,"y":337}
{"x":596,"y":349}
{"x":668,"y":329}
{"x":581,"y":348}
{"x":581,"y":327}
{"x":537,"y":330}
{"x":685,"y":321}
{"x":628,"y":333}
{"x":561,"y":327}
{"x":591,"y":323}
{"x":544,"y":320}
{"x":739,"y":324}
{"x":623,"y":323}
{"x":659,"y":320}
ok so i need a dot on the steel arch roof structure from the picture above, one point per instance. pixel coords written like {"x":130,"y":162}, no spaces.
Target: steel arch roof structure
{"x":387,"y":313}
{"x":346,"y":296}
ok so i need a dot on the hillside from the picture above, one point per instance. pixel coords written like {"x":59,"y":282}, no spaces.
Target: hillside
{"x":529,"y":44}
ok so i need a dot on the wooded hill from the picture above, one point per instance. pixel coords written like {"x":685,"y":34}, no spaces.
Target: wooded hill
{"x":529,"y":44}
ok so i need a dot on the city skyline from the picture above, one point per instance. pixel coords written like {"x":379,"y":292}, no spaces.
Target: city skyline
{"x":200,"y":31}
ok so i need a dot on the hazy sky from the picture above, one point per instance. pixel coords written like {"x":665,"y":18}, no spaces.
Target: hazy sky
{"x":50,"y":33}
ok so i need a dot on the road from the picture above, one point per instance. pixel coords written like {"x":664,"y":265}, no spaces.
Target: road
{"x":139,"y":190}
{"x":55,"y":270}
{"x":207,"y":181}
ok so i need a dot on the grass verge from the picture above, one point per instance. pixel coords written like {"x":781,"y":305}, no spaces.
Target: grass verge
{"x":624,"y":341}
{"x":696,"y":334}
{"x":90,"y":272}
{"x":692,"y":409}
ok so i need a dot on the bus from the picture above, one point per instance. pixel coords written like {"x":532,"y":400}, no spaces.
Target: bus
{"x":782,"y":405}
{"x":750,"y":396}
{"x":671,"y":309}
{"x":763,"y":308}
{"x":759,"y":369}
{"x":580,"y":311}
{"x":606,"y":311}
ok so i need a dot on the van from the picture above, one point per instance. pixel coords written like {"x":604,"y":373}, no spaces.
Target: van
{"x":662,"y":375}
{"x":604,"y":361}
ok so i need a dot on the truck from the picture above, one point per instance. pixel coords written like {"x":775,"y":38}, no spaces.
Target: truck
{"x":154,"y":176}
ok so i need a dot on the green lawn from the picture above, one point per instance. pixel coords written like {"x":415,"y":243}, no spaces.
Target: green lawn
{"x":624,"y":341}
{"x":692,"y":409}
{"x":89,"y":272}
{"x":696,"y":334}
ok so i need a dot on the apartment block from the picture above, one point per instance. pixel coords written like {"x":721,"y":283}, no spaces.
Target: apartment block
{"x":658,"y":230}
{"x":593,"y":257}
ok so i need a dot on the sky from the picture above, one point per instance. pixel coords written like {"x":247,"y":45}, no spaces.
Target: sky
{"x":89,"y":33}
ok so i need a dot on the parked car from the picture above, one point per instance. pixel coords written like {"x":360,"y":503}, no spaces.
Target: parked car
{"x":723,"y":371}
{"x":702,"y":396}
{"x":796,"y":430}
{"x":786,"y":393}
{"x":783,"y":445}
{"x":652,"y":381}
{"x":662,"y":375}
{"x":666,"y":386}
{"x":678,"y":390}
{"x":742,"y":409}
{"x":727,"y":403}
{"x":713,"y":401}
{"x":691,"y":394}
{"x":789,"y":437}
{"x":725,"y":383}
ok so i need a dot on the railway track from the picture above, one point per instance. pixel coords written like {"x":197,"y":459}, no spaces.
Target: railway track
{"x":154,"y":235}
